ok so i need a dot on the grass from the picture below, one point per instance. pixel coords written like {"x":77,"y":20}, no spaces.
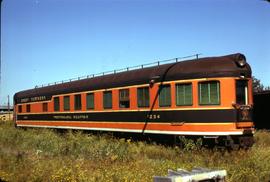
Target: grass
{"x":47,"y":155}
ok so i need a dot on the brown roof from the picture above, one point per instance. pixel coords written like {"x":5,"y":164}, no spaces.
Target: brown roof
{"x":224,"y":66}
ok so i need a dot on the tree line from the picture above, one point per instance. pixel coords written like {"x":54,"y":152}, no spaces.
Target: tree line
{"x":258,"y":86}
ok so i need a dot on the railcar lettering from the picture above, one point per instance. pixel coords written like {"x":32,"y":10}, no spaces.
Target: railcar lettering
{"x":33,"y":99}
{"x":24,"y":100}
{"x":40,"y":98}
{"x":180,"y":123}
{"x":153,"y":116}
{"x":80,"y":116}
{"x":62,"y":117}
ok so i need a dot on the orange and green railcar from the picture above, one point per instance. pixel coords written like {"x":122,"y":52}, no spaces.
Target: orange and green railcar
{"x":207,"y":97}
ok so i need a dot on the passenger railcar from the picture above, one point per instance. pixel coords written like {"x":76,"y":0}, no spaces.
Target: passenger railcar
{"x":207,"y":97}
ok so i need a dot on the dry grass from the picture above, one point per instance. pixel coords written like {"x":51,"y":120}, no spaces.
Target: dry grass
{"x":46,"y":155}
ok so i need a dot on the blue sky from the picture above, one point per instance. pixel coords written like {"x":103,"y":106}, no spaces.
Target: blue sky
{"x":50,"y":40}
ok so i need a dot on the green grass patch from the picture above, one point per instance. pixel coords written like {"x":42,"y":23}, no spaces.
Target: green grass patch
{"x":47,"y":155}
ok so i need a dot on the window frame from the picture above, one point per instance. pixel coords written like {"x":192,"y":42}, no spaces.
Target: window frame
{"x":144,"y":100}
{"x":170,"y":95}
{"x":87,"y":103}
{"x":199,"y":93}
{"x":65,"y":108}
{"x":28,"y":107}
{"x":77,"y":105}
{"x":19,"y":108}
{"x":106,"y":105}
{"x":187,"y":83}
{"x":56,"y":105}
{"x":126,"y":98}
{"x":45,"y":107}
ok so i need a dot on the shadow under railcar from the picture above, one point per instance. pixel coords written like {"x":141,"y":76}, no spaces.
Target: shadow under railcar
{"x":261,"y":110}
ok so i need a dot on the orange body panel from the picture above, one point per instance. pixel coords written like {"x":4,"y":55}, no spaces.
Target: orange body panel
{"x":83,"y":102}
{"x":133,"y":98}
{"x":115,"y":97}
{"x":99,"y":97}
{"x":195,"y":96}
{"x":153,"y":96}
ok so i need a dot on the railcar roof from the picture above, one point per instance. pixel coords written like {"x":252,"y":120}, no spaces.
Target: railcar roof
{"x":223,"y":66}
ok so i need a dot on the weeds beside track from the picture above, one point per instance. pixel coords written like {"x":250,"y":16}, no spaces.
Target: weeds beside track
{"x":47,"y":155}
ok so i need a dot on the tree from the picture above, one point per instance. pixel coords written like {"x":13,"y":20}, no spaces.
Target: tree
{"x":267,"y":88}
{"x":257,"y":85}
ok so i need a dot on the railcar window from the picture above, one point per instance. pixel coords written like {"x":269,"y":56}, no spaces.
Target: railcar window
{"x":20,"y":109}
{"x":56,"y":103}
{"x":90,"y":100}
{"x":28,"y":108}
{"x":241,"y":92}
{"x":184,"y":94}
{"x":66,"y":103}
{"x":77,"y":102}
{"x":143,"y":97}
{"x":164,"y":95}
{"x":107,"y":100}
{"x":209,"y":93}
{"x":45,"y":107}
{"x":124,"y":98}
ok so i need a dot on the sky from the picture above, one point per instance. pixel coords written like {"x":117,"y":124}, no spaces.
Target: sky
{"x":44,"y":41}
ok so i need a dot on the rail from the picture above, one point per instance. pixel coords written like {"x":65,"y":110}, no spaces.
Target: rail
{"x":157,"y":63}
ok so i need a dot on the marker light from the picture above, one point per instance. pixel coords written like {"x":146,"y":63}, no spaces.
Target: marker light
{"x":241,"y":61}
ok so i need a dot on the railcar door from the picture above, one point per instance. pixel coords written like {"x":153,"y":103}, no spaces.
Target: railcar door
{"x":244,"y":110}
